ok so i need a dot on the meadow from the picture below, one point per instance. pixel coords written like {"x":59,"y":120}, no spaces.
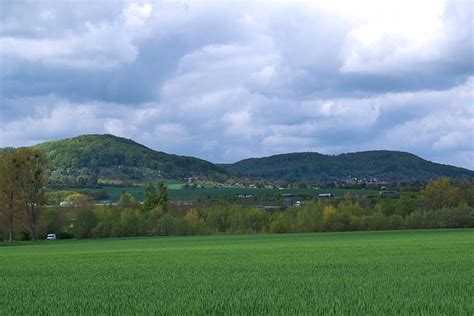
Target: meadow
{"x":393,"y":272}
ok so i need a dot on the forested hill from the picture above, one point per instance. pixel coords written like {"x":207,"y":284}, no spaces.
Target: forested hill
{"x":84,"y":159}
{"x":383,"y":165}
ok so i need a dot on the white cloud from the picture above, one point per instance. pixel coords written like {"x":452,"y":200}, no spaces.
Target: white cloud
{"x":171,"y":131}
{"x":395,"y":36}
{"x":47,"y":15}
{"x":456,"y":140}
{"x":229,"y":81}
{"x":64,"y":118}
{"x":100,"y":45}
{"x":114,"y":126}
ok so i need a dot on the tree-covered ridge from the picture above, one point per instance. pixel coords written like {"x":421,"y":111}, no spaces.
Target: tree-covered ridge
{"x":87,"y":159}
{"x":112,"y":157}
{"x":382,"y":165}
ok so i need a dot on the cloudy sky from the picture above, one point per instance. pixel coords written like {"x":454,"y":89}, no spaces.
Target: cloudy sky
{"x":230,"y":80}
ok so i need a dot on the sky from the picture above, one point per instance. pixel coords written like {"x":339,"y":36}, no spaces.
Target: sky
{"x":224,"y":81}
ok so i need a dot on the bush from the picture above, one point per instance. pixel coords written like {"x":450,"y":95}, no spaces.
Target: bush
{"x":85,"y":222}
{"x":65,"y":235}
{"x":455,"y":217}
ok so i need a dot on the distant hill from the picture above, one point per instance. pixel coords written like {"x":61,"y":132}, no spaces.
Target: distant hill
{"x":392,"y":166}
{"x":88,"y":159}
{"x":84,"y":159}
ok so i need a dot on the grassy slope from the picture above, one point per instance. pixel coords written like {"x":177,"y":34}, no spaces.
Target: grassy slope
{"x":428,"y":272}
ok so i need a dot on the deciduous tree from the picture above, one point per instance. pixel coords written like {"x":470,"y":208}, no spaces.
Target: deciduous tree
{"x":85,"y":222}
{"x":439,"y":193}
{"x":192,"y":217}
{"x":127,"y":201}
{"x":9,"y":189}
{"x":31,"y":173}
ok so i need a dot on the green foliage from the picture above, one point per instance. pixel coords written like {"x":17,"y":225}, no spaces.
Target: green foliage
{"x":87,"y":160}
{"x":78,"y":199}
{"x":162,"y":195}
{"x":22,"y":178}
{"x":406,"y":204}
{"x":98,"y":195}
{"x":299,"y":219}
{"x":11,"y":197}
{"x":217,"y":217}
{"x":127,"y":201}
{"x":52,"y":222}
{"x":195,"y":223}
{"x":244,"y":220}
{"x":466,"y":191}
{"x":415,"y":219}
{"x":56,"y":197}
{"x":386,"y":206}
{"x":130,"y":218}
{"x":461,"y":216}
{"x":440,"y":193}
{"x":108,"y":222}
{"x":85,"y":222}
{"x":151,"y":198}
{"x":81,"y":161}
{"x":362,"y":273}
{"x":130,"y":223}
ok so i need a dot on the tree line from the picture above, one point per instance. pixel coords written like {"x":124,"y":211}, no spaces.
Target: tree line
{"x":440,"y":204}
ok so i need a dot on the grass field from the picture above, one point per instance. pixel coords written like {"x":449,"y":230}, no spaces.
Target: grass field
{"x":176,"y":193}
{"x":419,"y":272}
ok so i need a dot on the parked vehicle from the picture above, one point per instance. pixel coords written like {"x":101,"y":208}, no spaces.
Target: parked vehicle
{"x":51,"y":237}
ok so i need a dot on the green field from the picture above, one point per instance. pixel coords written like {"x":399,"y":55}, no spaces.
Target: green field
{"x":177,"y":193}
{"x":417,"y":272}
{"x":170,"y":183}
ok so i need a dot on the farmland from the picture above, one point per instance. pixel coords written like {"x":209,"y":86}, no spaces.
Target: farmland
{"x":420,"y":272}
{"x":175,"y":192}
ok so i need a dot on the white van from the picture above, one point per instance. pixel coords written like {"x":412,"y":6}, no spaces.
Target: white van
{"x":51,"y":237}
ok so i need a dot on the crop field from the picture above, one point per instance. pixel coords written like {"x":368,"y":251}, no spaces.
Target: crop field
{"x":175,"y":192}
{"x":417,"y":272}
